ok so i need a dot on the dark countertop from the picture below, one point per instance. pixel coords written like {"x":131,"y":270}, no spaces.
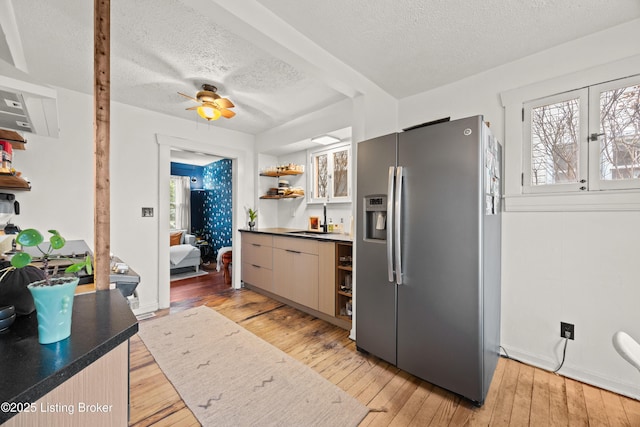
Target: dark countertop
{"x":28,"y":370}
{"x":294,"y":232}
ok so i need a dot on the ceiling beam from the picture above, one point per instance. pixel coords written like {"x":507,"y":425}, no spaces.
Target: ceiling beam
{"x":257,"y":24}
{"x":9,"y":27}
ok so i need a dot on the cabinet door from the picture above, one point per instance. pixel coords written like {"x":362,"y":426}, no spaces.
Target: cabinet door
{"x":283,"y":273}
{"x":327,"y":277}
{"x":305,"y":281}
{"x":295,"y":276}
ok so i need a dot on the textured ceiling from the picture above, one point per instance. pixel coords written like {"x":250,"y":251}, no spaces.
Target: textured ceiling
{"x":161,"y":47}
{"x":409,"y":46}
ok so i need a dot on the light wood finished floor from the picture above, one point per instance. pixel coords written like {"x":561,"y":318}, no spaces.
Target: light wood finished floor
{"x":520,"y":395}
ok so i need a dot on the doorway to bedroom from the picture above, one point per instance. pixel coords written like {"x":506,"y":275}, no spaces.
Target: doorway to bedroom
{"x":200,"y":218}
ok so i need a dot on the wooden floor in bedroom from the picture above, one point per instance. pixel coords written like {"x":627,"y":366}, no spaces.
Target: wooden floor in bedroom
{"x":520,"y":395}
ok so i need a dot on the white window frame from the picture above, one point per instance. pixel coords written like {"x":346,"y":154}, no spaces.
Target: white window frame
{"x":515,"y":200}
{"x":589,"y":160}
{"x":597,"y":183}
{"x":581,"y":183}
{"x":329,"y":150}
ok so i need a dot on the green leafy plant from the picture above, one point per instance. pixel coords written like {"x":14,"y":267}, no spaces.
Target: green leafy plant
{"x":253,"y":214}
{"x":32,"y":237}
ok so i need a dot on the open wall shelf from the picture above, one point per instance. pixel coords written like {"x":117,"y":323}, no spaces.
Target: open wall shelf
{"x":281,"y":173}
{"x":290,"y":196}
{"x":13,"y":182}
{"x":277,"y":174}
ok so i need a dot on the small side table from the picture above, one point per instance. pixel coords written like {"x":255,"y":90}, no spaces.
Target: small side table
{"x":205,"y":250}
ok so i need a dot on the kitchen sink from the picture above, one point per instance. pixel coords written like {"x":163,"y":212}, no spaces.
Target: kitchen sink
{"x":307,"y":232}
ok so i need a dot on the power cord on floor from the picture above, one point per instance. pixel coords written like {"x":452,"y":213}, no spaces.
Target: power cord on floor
{"x":506,"y":355}
{"x":564,"y":353}
{"x":567,"y":336}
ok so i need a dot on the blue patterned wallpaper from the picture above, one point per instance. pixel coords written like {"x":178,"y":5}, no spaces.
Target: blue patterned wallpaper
{"x":211,"y":201}
{"x":218,"y":206}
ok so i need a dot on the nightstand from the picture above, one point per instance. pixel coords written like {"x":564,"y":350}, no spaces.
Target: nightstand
{"x":205,"y":250}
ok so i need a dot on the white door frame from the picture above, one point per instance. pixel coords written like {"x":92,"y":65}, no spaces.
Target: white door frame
{"x":240,"y":161}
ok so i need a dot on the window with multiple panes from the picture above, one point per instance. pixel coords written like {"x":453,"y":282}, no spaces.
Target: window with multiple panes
{"x":583,"y":140}
{"x":330,"y":174}
{"x":173,"y":206}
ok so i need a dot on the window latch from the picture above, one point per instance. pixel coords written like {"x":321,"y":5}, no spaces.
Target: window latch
{"x":583,"y":187}
{"x":594,"y":136}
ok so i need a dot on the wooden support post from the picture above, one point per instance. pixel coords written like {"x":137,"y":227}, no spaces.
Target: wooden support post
{"x":101,"y":109}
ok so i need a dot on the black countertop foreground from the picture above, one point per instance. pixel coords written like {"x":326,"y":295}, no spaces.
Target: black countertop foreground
{"x":28,"y":370}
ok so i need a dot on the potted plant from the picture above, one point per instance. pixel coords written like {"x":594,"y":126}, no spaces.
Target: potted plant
{"x":253,"y":214}
{"x":53,"y":295}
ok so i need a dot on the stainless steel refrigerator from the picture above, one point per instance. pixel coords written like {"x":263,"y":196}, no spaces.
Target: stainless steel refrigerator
{"x":428,"y":253}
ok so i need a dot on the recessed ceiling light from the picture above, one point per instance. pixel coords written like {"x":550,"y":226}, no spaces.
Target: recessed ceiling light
{"x":325,"y":139}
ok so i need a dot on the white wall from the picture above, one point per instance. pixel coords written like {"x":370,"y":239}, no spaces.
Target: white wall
{"x":61,"y":173}
{"x":267,"y":208}
{"x":578,"y":267}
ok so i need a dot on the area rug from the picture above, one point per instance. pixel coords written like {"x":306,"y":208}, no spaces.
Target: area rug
{"x":187,"y":275}
{"x":227,"y":376}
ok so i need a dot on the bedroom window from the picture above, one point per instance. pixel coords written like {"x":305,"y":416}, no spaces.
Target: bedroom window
{"x":330,"y":174}
{"x":179,"y":202}
{"x":172,"y":203}
{"x":583,"y":140}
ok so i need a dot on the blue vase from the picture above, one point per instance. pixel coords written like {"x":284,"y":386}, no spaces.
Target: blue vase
{"x":54,"y":306}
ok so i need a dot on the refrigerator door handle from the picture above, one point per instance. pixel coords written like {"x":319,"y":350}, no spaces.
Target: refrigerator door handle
{"x":398,"y":231}
{"x":390,"y":223}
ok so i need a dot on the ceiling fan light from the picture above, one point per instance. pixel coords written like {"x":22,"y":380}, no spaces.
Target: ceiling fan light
{"x":325,"y":139}
{"x":208,"y":112}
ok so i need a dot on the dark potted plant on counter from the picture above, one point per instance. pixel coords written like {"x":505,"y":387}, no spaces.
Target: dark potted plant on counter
{"x":253,"y":214}
{"x":53,"y":295}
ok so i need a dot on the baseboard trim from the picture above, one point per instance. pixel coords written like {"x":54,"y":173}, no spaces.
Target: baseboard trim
{"x":624,"y":388}
{"x":147,"y":308}
{"x":327,"y":318}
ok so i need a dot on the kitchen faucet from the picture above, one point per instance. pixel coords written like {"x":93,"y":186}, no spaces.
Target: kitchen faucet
{"x":324,"y":223}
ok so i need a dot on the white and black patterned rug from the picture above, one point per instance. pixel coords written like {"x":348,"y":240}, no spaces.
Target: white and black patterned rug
{"x":228,"y":376}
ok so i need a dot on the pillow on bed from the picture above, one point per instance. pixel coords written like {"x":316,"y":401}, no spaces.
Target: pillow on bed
{"x":175,"y":238}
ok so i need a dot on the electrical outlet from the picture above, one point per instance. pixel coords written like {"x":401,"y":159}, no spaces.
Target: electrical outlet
{"x":567,"y":330}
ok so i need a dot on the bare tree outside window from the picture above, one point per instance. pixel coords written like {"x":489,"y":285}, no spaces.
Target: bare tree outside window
{"x":340,"y":174}
{"x":620,"y":126}
{"x":322,"y":176}
{"x":331,"y":173}
{"x":555,"y":143}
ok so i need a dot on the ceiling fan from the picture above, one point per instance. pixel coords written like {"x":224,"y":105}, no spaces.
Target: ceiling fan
{"x":212,"y":105}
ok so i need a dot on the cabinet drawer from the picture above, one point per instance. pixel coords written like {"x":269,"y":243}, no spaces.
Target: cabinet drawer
{"x":257,"y":239}
{"x":307,"y":246}
{"x":258,"y":253}
{"x":257,"y":276}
